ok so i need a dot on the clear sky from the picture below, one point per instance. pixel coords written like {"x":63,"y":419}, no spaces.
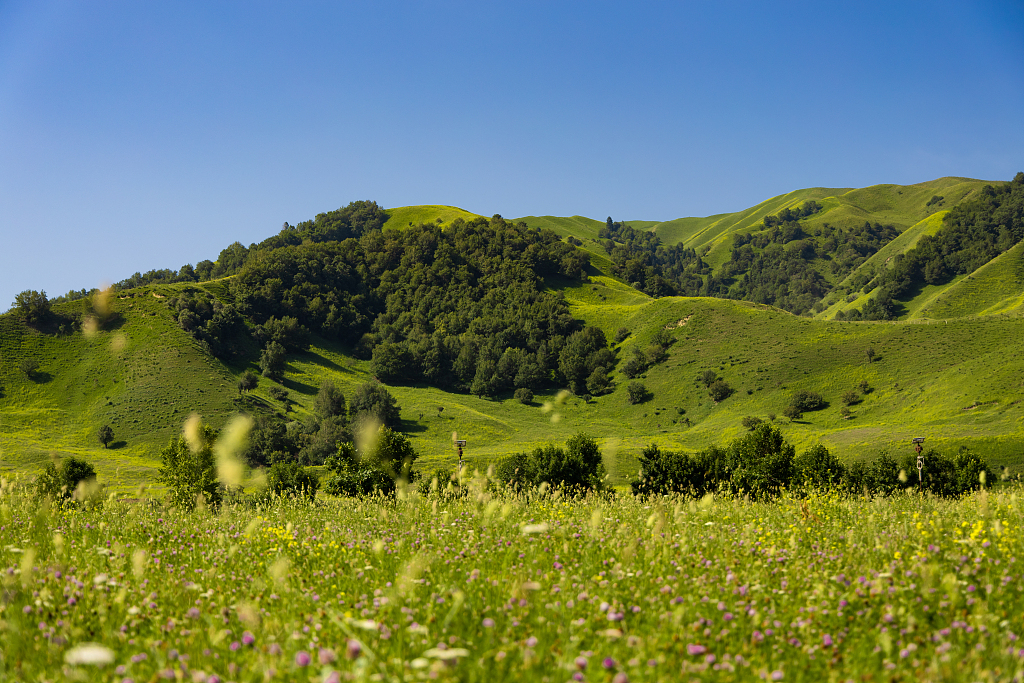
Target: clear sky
{"x":139,"y":135}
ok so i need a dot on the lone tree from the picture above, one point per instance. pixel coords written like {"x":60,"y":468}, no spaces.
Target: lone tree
{"x":28,"y":366}
{"x":708,"y":377}
{"x":636,"y":392}
{"x":106,"y":435}
{"x":870,"y":353}
{"x":719,"y":390}
{"x":248,"y":381}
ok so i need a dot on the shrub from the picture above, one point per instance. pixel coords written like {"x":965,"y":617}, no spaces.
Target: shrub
{"x":807,"y":401}
{"x":791,"y":412}
{"x":523,"y":395}
{"x":190,"y":472}
{"x":598,"y":382}
{"x":850,"y":397}
{"x":818,"y":467}
{"x":28,"y":367}
{"x":578,"y":465}
{"x":248,"y":381}
{"x":633,"y":367}
{"x":750,"y":422}
{"x":636,"y":392}
{"x":719,"y":390}
{"x":621,"y":335}
{"x":373,"y":401}
{"x":272,"y":360}
{"x":329,"y":401}
{"x":664,"y":472}
{"x":105,"y":435}
{"x":290,"y":478}
{"x":442,"y":482}
{"x":278,"y":393}
{"x":708,"y":377}
{"x":61,"y":482}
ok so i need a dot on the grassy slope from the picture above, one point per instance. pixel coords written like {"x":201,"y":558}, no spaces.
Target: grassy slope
{"x":143,"y":377}
{"x":405,"y":216}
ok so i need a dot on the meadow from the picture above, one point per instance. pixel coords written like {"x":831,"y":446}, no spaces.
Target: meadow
{"x":492,"y":586}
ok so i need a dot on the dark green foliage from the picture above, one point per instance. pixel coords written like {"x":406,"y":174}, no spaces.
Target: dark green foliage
{"x":598,"y":382}
{"x":190,"y":473}
{"x":636,"y":392}
{"x":945,"y":476}
{"x":719,"y":390}
{"x":248,"y":381}
{"x":105,"y":435}
{"x":584,"y":352}
{"x":577,"y":466}
{"x":272,"y":361}
{"x":791,"y":412}
{"x":973,"y":233}
{"x":278,"y":393}
{"x":61,"y":482}
{"x":322,"y":438}
{"x":870,"y":353}
{"x":268,"y":442}
{"x":807,"y":401}
{"x":33,"y":306}
{"x":219,"y":327}
{"x":373,"y":401}
{"x":28,"y":366}
{"x":819,"y":468}
{"x":289,"y":478}
{"x":352,"y":473}
{"x":426,"y":304}
{"x":164,"y":276}
{"x":621,"y":335}
{"x":524,"y":396}
{"x":354,"y":220}
{"x":329,"y":401}
{"x":708,"y":377}
{"x":287,"y":331}
{"x":761,"y":463}
{"x":749,"y":422}
{"x":850,"y":397}
{"x":665,"y":472}
{"x":634,"y":367}
{"x":640,"y":258}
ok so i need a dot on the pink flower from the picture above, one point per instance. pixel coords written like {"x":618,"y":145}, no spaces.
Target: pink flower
{"x":695,"y":649}
{"x":581,"y":663}
{"x":302,"y":658}
{"x":353,"y":649}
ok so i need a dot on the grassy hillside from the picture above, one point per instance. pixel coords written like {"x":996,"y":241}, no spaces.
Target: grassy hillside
{"x":953,"y":373}
{"x":404,"y":216}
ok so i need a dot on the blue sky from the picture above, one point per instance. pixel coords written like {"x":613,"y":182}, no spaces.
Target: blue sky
{"x":148,"y":135}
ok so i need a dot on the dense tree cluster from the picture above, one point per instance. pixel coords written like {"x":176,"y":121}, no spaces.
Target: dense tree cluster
{"x":217,"y":326}
{"x":461,"y":307}
{"x":973,"y":233}
{"x":640,"y":258}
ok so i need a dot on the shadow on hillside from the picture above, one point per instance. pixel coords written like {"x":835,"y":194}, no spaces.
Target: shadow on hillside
{"x":117,"y":445}
{"x":410,"y":426}
{"x":300,"y":387}
{"x":325,"y":361}
{"x":41,"y":377}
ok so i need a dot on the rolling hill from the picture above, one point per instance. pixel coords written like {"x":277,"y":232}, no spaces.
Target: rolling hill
{"x":951,"y":371}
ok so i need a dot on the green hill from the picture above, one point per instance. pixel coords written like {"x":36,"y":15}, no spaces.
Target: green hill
{"x":950,"y":372}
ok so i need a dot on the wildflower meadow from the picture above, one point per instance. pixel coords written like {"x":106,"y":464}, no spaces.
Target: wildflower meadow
{"x":486,"y":586}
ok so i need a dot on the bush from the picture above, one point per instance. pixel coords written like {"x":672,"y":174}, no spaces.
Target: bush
{"x":278,"y":393}
{"x":598,"y":382}
{"x":636,"y":392}
{"x":523,"y":395}
{"x":329,"y":401}
{"x":749,"y":422}
{"x":61,"y":482}
{"x":633,"y":367}
{"x":708,"y":377}
{"x":248,"y":381}
{"x":719,"y":390}
{"x":621,"y":335}
{"x":191,"y":472}
{"x":818,"y":467}
{"x":289,"y":478}
{"x":373,"y":401}
{"x":850,"y":397}
{"x":28,"y":367}
{"x":791,"y":413}
{"x":272,"y":361}
{"x":807,"y":401}
{"x":578,"y":466}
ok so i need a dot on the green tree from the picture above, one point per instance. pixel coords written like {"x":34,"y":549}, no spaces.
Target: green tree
{"x":190,"y":472}
{"x":61,"y":481}
{"x":372,"y":400}
{"x":33,"y":305}
{"x":598,"y":382}
{"x":850,"y":397}
{"x":818,"y":467}
{"x":523,"y":395}
{"x":248,"y":381}
{"x":719,"y":390}
{"x":750,"y":422}
{"x":28,"y":367}
{"x":708,"y":377}
{"x":636,"y":392}
{"x":870,"y":353}
{"x":329,"y":401}
{"x":106,"y":435}
{"x":290,"y":478}
{"x":272,"y":361}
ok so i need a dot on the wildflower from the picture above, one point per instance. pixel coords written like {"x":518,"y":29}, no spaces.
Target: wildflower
{"x":488,"y":623}
{"x":326,"y":656}
{"x":302,"y":658}
{"x":826,"y":640}
{"x":531,"y":642}
{"x":353,"y":648}
{"x":777,"y":675}
{"x":693,"y":649}
{"x":620,"y":677}
{"x":608,"y":663}
{"x":248,"y":638}
{"x":581,"y":663}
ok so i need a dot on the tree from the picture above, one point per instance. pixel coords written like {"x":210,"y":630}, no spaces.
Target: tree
{"x":373,"y":400}
{"x":636,"y":392}
{"x":750,"y":422}
{"x":291,"y":478}
{"x":329,"y":401}
{"x":791,"y":412}
{"x":61,"y":482}
{"x":278,"y":393}
{"x":272,"y":361}
{"x":807,"y":401}
{"x":524,"y":396}
{"x":708,"y":377}
{"x":188,"y":473}
{"x":28,"y":367}
{"x":870,"y":353}
{"x":106,"y":435}
{"x":850,"y":397}
{"x":719,"y":390}
{"x":621,"y":334}
{"x":248,"y":381}
{"x":864,"y":387}
{"x":598,"y":381}
{"x":33,"y":305}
